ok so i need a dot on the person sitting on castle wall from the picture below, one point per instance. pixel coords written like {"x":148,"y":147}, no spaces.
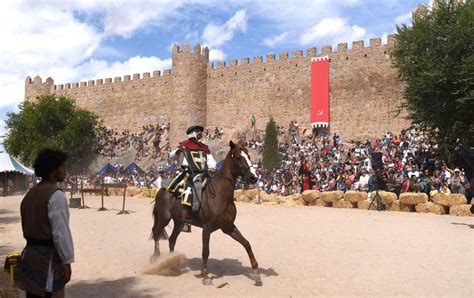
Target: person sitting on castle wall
{"x":196,"y":160}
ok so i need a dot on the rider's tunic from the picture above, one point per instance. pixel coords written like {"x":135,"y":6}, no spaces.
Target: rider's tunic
{"x":194,"y":158}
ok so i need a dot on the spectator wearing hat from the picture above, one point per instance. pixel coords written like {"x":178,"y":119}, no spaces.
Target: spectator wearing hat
{"x":456,"y":182}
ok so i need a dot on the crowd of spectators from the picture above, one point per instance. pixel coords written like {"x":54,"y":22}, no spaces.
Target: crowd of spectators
{"x":312,"y":160}
{"x":215,"y":134}
{"x":323,"y":162}
{"x":147,"y":142}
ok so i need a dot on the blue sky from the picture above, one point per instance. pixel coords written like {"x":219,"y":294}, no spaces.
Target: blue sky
{"x":80,"y":40}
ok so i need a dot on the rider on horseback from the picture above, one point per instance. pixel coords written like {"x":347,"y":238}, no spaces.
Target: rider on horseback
{"x":196,"y":160}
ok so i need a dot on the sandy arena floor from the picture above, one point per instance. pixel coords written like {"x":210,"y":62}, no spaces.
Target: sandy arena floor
{"x":305,"y":251}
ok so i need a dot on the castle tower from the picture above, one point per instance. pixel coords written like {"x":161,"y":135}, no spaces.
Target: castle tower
{"x":36,"y":87}
{"x":189,"y":72}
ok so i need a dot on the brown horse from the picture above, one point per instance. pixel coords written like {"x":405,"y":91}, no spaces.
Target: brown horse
{"x":217,"y":210}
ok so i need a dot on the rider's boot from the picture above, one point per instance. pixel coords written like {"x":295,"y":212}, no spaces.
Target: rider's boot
{"x":186,"y":221}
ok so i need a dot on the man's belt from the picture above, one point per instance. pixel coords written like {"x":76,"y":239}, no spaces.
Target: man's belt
{"x":30,"y":241}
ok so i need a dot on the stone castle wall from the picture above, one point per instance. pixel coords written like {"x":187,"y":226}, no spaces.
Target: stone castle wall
{"x":364,"y":92}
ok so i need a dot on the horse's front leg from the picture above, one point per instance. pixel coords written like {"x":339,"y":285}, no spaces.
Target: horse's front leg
{"x":206,"y":236}
{"x":233,"y":232}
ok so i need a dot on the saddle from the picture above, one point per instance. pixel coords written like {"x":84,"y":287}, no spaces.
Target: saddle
{"x":199,"y":184}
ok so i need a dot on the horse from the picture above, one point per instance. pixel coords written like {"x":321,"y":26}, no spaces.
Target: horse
{"x":218,"y":210}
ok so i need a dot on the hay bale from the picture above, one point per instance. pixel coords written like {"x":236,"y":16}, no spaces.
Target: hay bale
{"x":270,"y":203}
{"x":413,"y":198}
{"x":310,"y":196}
{"x":449,"y":200}
{"x":365,"y":205}
{"x":132,"y":191}
{"x":342,"y":203}
{"x":355,"y":196}
{"x":294,"y":197}
{"x":288,"y":202}
{"x":241,"y":196}
{"x":387,"y":197}
{"x":460,"y":210}
{"x":430,"y":208}
{"x":264,"y":197}
{"x":246,"y":196}
{"x":320,"y":203}
{"x":6,"y":289}
{"x":398,"y":206}
{"x":252,"y":194}
{"x":331,"y":196}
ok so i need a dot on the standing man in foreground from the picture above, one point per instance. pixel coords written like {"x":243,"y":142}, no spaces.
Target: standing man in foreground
{"x":45,"y":266}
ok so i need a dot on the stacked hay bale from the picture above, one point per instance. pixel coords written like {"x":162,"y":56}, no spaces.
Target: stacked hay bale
{"x":430,"y":207}
{"x":310,"y":197}
{"x":132,"y":191}
{"x":387,"y":198}
{"x":412,"y":199}
{"x":320,"y":203}
{"x":354,"y":197}
{"x":398,"y":206}
{"x":265,"y":198}
{"x":460,"y":210}
{"x":292,"y":200}
{"x":6,"y":289}
{"x":342,"y":203}
{"x":246,"y":196}
{"x":454,"y":204}
{"x":331,"y":197}
{"x":365,"y":205}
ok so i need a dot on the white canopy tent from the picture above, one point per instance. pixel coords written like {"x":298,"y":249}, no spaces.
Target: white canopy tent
{"x":9,"y":164}
{"x":13,"y":175}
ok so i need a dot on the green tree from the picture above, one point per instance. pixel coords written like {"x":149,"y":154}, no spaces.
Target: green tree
{"x":435,"y":58}
{"x":271,"y":155}
{"x":50,"y":122}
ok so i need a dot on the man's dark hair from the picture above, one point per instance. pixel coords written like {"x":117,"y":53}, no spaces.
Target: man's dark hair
{"x":47,"y":161}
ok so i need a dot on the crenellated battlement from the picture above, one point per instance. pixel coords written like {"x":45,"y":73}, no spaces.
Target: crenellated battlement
{"x":357,"y":46}
{"x":137,"y":77}
{"x":227,"y":93}
{"x":185,"y":52}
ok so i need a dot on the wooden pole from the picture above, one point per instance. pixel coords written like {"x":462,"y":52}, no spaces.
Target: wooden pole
{"x":123,"y":205}
{"x":82,"y":195}
{"x":102,"y":195}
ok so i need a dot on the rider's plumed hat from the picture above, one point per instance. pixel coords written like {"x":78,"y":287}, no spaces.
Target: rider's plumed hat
{"x":193,"y":128}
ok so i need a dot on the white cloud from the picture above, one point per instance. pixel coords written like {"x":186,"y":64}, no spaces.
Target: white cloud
{"x":133,"y":65}
{"x":272,"y":41}
{"x":403,"y":19}
{"x":34,"y":41}
{"x":119,"y":17}
{"x":217,"y":35}
{"x":216,"y":55}
{"x":47,"y":40}
{"x":332,"y":30}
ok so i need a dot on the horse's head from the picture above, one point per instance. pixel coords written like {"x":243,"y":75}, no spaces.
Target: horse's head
{"x":242,"y":163}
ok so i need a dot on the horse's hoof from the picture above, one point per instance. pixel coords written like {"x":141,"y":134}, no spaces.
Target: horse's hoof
{"x":207,"y":281}
{"x":257,"y":279}
{"x":153,"y":258}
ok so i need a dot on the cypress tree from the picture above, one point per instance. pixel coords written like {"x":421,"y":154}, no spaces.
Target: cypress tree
{"x":271,"y":155}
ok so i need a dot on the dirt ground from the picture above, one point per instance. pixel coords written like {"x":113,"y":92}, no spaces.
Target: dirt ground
{"x":303,"y":251}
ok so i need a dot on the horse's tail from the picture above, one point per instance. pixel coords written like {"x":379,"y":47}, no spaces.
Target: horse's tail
{"x":158,"y":231}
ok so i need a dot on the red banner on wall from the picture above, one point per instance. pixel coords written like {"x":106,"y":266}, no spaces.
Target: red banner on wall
{"x":320,"y":91}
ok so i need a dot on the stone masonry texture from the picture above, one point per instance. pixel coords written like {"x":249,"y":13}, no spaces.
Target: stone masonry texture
{"x":364,"y":92}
